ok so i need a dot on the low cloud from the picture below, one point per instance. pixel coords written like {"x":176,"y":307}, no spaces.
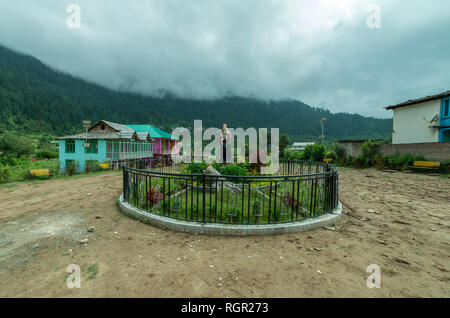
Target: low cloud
{"x":320,"y":52}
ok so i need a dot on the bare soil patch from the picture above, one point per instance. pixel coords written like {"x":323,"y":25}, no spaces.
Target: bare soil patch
{"x":397,"y":220}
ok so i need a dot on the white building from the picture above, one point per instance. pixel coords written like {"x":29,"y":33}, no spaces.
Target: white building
{"x":300,"y":146}
{"x":422,"y":120}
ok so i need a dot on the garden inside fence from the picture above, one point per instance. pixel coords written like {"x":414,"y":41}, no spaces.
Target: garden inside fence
{"x":300,"y":191}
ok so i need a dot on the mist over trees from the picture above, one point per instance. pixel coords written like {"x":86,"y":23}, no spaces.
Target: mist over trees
{"x":35,"y":98}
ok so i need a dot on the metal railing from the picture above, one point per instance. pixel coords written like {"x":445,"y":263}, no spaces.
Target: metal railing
{"x":300,"y":191}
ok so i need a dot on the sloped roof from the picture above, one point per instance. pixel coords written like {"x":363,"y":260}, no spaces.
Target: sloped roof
{"x":420,"y":100}
{"x":121,"y":132}
{"x":153,"y":131}
{"x":118,"y":127}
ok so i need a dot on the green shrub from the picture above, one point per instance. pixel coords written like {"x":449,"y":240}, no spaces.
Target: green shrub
{"x":369,"y":149}
{"x":92,"y":166}
{"x":234,"y":170}
{"x":46,"y":154}
{"x":314,"y":153}
{"x":349,"y":161}
{"x":71,"y":169}
{"x":15,"y":146}
{"x":445,"y":166}
{"x":7,"y":160}
{"x":196,"y":168}
{"x":331,"y":155}
{"x":217,"y":166}
{"x":5,"y":173}
{"x":291,"y":154}
{"x":401,"y":162}
{"x":338,"y":150}
{"x":358,"y":162}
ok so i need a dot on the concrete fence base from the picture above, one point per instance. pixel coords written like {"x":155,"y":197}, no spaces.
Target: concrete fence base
{"x":329,"y":219}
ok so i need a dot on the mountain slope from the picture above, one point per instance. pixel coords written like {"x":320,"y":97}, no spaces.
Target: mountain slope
{"x":35,"y":98}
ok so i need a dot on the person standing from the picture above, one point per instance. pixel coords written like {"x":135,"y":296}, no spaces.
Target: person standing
{"x":225,"y":139}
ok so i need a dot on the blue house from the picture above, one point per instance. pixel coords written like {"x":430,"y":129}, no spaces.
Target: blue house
{"x":105,"y":141}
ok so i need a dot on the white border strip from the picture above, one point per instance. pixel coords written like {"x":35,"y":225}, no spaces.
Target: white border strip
{"x":329,"y":219}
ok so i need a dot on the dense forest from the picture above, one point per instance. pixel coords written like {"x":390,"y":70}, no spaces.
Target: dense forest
{"x":35,"y":98}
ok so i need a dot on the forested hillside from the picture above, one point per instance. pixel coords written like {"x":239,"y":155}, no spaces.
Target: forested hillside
{"x":35,"y":98}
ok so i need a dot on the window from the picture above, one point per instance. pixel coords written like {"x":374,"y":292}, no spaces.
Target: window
{"x":70,"y":163}
{"x":70,"y":146}
{"x":93,"y":146}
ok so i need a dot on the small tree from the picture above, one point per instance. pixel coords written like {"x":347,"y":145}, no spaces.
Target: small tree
{"x":314,"y":153}
{"x":284,"y":143}
{"x":15,"y":146}
{"x":369,"y":149}
{"x":5,"y":173}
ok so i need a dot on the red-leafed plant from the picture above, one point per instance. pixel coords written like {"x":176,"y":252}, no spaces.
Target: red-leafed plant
{"x":289,"y":200}
{"x":154,"y":196}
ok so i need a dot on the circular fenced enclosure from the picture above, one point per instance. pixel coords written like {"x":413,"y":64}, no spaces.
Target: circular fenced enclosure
{"x":302,"y":196}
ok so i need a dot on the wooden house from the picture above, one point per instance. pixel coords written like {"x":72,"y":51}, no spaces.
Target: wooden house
{"x":103,"y":142}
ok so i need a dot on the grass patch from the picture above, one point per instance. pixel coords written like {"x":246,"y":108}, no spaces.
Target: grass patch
{"x":8,"y":185}
{"x":20,"y":172}
{"x":255,"y":207}
{"x":93,"y":271}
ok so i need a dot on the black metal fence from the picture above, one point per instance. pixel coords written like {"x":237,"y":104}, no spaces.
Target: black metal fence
{"x":300,"y":191}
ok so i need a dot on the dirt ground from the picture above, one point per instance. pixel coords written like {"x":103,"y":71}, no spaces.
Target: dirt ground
{"x":406,"y":233}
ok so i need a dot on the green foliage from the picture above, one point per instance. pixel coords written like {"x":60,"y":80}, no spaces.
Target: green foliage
{"x":338,"y":150}
{"x":71,"y":169}
{"x":284,"y":143}
{"x":36,"y":98}
{"x":401,"y":162}
{"x":314,"y":153}
{"x":234,"y":170}
{"x":196,"y":168}
{"x":92,"y":271}
{"x":217,"y":166}
{"x":331,"y":155}
{"x":46,"y":154}
{"x":92,"y":166}
{"x":7,"y":160}
{"x":349,"y":161}
{"x":369,"y":149}
{"x":445,"y":166}
{"x":291,"y":154}
{"x":386,"y":141}
{"x":362,"y":162}
{"x":5,"y":173}
{"x":15,"y":146}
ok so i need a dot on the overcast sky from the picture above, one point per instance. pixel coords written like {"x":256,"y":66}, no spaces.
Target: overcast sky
{"x":319,"y":51}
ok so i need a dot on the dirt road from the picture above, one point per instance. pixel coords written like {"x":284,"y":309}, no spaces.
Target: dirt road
{"x":406,"y":232}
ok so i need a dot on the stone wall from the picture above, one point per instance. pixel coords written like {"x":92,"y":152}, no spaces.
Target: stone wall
{"x":351,"y":148}
{"x":433,"y":151}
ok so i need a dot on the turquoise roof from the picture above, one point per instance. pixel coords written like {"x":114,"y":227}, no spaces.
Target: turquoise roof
{"x":152,"y":130}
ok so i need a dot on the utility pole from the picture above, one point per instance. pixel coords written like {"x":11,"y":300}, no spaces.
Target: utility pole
{"x":322,"y":123}
{"x":86,"y":124}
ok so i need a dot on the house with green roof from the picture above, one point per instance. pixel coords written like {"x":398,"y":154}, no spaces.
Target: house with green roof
{"x":115,"y":144}
{"x":164,"y":142}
